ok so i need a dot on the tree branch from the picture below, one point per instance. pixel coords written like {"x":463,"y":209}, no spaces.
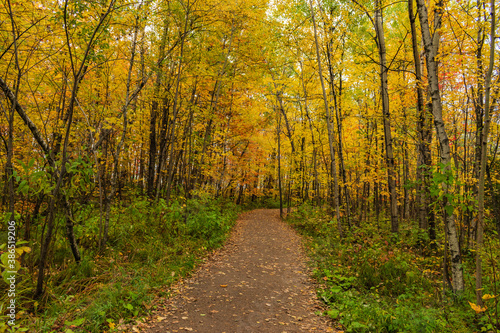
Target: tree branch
{"x":22,"y":113}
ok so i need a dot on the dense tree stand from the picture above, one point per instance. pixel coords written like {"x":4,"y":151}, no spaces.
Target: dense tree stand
{"x":134,"y":133}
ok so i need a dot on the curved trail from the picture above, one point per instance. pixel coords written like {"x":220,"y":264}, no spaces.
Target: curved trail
{"x":256,"y":283}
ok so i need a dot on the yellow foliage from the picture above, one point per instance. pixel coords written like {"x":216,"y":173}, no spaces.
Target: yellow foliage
{"x":488,"y":296}
{"x":477,"y":308}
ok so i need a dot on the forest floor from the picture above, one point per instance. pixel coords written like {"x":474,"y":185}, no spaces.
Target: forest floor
{"x":258,"y":282}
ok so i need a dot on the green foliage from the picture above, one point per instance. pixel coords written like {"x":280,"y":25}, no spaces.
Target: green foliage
{"x":34,"y":181}
{"x":443,"y":179}
{"x":149,"y":247}
{"x":373,"y":281}
{"x":204,"y":219}
{"x":264,"y":202}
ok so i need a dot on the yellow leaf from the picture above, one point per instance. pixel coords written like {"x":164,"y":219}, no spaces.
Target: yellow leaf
{"x":23,"y":249}
{"x":477,"y":308}
{"x":488,"y":296}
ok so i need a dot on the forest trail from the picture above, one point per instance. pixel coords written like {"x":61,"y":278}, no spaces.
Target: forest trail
{"x":257,"y":283}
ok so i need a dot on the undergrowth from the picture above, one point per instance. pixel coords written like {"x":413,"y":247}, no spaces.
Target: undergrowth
{"x":150,"y":246}
{"x":373,"y":281}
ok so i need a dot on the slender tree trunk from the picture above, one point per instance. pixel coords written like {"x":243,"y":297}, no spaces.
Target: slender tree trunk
{"x":101,"y":172}
{"x":484,"y":160}
{"x":239,"y":201}
{"x":389,"y":155}
{"x":170,"y":169}
{"x":337,"y":103}
{"x":478,"y":99}
{"x":280,"y":189}
{"x":164,"y":130}
{"x":70,"y":234}
{"x":329,"y":126}
{"x":282,"y":110}
{"x":116,"y":155}
{"x":154,"y":114}
{"x":431,"y":46}
{"x":289,"y":197}
{"x":313,"y":140}
{"x":9,"y":169}
{"x":424,"y":132}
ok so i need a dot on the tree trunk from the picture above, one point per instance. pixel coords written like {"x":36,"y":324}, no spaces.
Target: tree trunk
{"x":154,"y":114}
{"x":171,"y":162}
{"x":431,"y":46}
{"x":70,"y":234}
{"x":424,"y":132}
{"x":329,"y":126}
{"x":313,"y":141}
{"x":483,"y":161}
{"x":116,"y":155}
{"x":389,"y":155}
{"x":9,"y":169}
{"x":280,"y":189}
{"x":337,"y":103}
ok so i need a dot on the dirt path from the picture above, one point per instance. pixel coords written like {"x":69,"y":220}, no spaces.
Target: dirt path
{"x":257,"y":283}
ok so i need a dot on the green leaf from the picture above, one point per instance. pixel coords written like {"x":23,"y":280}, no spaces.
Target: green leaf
{"x":5,"y":258}
{"x":358,"y":325}
{"x":76,"y":322}
{"x":333,"y":313}
{"x":5,"y":275}
{"x":336,"y":289}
